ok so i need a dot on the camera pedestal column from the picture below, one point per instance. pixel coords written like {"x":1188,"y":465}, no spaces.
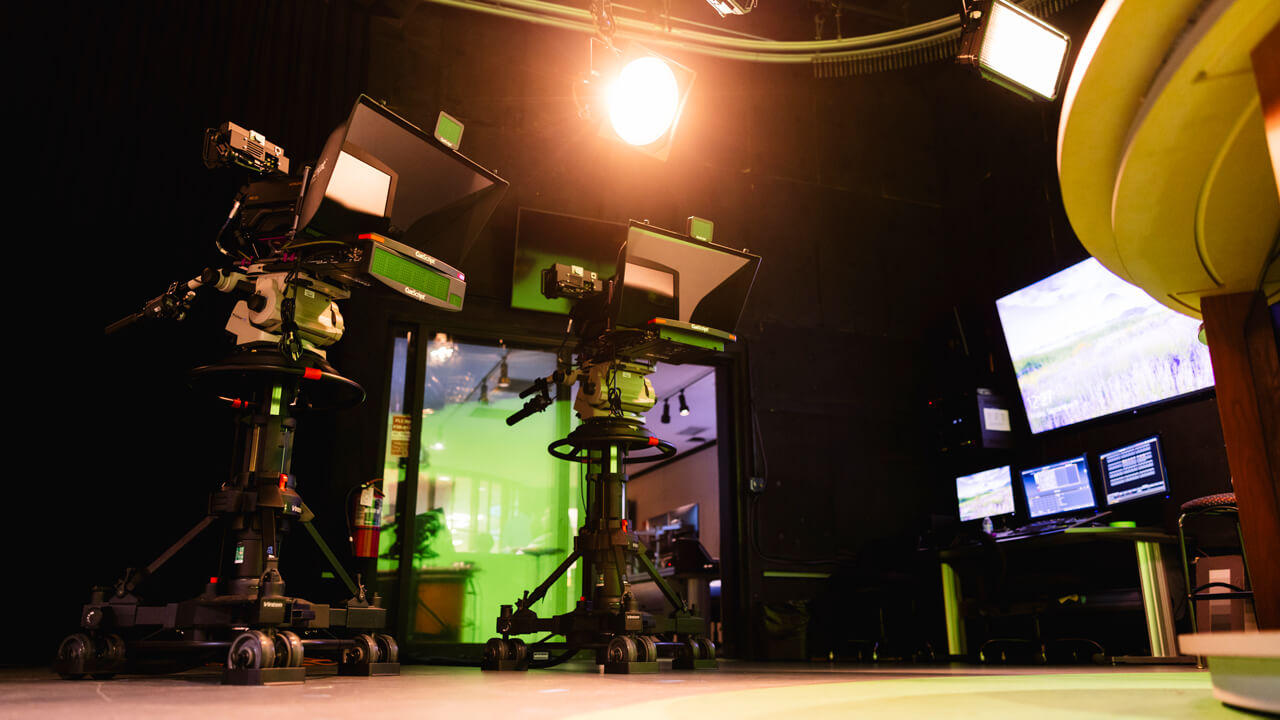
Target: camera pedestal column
{"x":608,"y":618}
{"x":264,"y":456}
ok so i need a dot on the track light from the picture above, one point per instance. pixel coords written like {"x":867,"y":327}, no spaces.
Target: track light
{"x":1013,"y":48}
{"x":666,"y":411}
{"x":442,"y":349}
{"x":684,"y":405}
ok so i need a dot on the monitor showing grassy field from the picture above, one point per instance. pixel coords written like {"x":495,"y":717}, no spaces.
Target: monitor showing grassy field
{"x":1085,"y":344}
{"x":985,"y":494}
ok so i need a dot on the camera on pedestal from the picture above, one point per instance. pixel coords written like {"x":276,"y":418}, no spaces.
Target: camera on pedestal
{"x":671,"y":300}
{"x":381,"y":192}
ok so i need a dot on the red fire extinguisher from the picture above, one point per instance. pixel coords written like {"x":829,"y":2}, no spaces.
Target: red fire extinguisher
{"x":366,"y":519}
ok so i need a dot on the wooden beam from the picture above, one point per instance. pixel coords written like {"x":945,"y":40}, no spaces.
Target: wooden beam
{"x":1246,"y":369}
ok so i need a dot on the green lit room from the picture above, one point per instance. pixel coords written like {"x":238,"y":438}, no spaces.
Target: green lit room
{"x":561,"y":358}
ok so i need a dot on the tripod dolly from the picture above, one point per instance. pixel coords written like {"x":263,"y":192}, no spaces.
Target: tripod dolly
{"x":607,"y":618}
{"x":244,"y":610}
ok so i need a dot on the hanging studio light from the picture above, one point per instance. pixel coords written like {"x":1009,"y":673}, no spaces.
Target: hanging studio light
{"x":637,"y":96}
{"x":1013,"y":48}
{"x":643,"y":101}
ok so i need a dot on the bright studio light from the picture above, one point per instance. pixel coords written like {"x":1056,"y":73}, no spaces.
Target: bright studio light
{"x":732,"y":7}
{"x":1014,"y":48}
{"x":634,"y":96}
{"x":643,"y":101}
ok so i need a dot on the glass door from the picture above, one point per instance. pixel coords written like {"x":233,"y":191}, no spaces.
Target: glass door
{"x":490,"y":513}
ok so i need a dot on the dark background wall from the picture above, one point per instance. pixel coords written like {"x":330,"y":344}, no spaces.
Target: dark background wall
{"x":885,"y":207}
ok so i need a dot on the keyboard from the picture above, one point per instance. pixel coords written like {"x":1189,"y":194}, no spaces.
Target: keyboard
{"x":1039,"y":527}
{"x":1045,"y":526}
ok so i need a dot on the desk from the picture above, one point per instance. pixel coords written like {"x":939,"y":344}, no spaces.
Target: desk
{"x":1156,"y":599}
{"x":693,"y":587}
{"x":439,"y":600}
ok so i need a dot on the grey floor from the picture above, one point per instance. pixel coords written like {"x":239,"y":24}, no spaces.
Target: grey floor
{"x":737,"y":690}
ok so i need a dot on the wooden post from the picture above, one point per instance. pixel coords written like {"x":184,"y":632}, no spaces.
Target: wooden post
{"x":1246,"y":369}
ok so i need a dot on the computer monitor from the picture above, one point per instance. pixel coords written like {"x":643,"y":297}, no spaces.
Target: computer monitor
{"x":1057,"y":488}
{"x":1086,"y":344}
{"x":984,"y":494}
{"x":1133,"y":471}
{"x":677,"y":523}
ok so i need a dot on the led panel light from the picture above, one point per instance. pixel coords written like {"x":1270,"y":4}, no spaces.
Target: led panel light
{"x":1014,"y":49}
{"x":731,"y":7}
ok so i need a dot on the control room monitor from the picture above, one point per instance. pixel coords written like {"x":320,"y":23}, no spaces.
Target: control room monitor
{"x":1133,"y":471}
{"x":988,"y":493}
{"x":1057,"y":488}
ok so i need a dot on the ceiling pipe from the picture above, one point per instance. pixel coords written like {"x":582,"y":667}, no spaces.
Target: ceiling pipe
{"x":925,"y":42}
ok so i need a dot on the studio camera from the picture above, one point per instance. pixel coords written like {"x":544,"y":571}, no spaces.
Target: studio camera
{"x":672,"y":299}
{"x":381,"y":194}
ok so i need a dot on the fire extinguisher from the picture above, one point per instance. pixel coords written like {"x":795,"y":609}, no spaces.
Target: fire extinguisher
{"x":366,"y":519}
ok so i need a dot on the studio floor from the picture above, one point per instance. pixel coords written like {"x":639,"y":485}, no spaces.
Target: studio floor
{"x":737,"y":690}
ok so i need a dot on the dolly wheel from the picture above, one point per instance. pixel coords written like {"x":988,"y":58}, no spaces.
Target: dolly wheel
{"x":689,"y":649}
{"x":288,"y":648}
{"x":74,"y":653}
{"x":622,"y":648}
{"x":110,"y":654}
{"x":707,"y":649}
{"x":649,"y":646}
{"x":388,"y":650}
{"x":519,"y":652}
{"x":365,"y":651}
{"x":251,"y":650}
{"x":497,"y":649}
